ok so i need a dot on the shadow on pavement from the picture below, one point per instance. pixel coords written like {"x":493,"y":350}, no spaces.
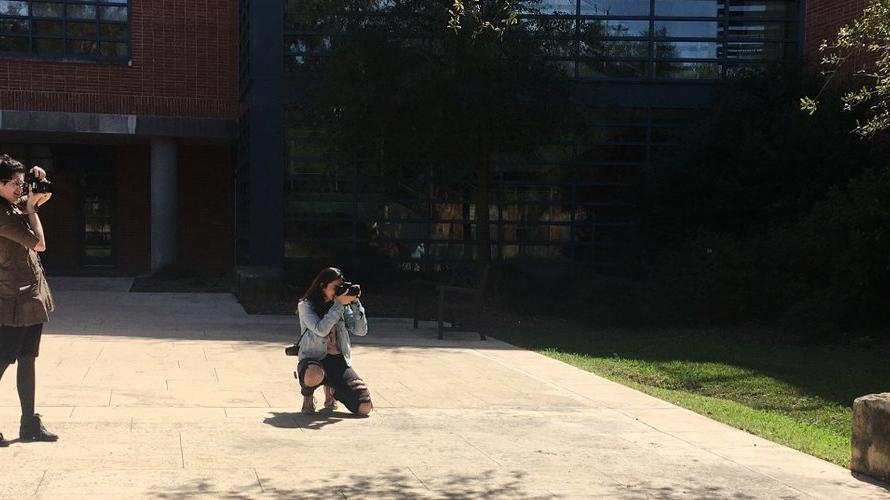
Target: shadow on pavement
{"x":282,"y":420}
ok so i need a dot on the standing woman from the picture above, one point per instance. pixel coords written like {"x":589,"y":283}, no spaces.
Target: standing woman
{"x":25,"y":299}
{"x":326,"y":322}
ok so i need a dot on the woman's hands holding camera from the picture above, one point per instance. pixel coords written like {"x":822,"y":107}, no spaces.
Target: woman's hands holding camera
{"x":35,"y":200}
{"x":350,"y":295}
{"x":346,"y":299}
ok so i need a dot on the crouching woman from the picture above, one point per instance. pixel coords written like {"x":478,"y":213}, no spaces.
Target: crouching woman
{"x":327,"y":320}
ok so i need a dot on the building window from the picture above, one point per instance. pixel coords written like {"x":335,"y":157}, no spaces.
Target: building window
{"x":606,"y":39}
{"x":70,"y":29}
{"x":668,"y":39}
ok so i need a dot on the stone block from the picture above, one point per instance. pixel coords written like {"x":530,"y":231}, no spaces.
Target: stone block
{"x":258,"y":285}
{"x":871,"y":436}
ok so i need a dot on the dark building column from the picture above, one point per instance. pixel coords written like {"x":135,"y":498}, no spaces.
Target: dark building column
{"x":163,"y":203}
{"x":260,"y":193}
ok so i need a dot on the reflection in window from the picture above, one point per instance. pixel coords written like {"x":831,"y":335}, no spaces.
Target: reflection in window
{"x":761,"y":30}
{"x":66,"y":28}
{"x":691,"y":29}
{"x":686,"y":50}
{"x":614,"y":7}
{"x":763,"y":8}
{"x":618,"y":49}
{"x":48,"y":10}
{"x":744,"y":70}
{"x":559,"y":48}
{"x":592,"y":39}
{"x":611,"y":69}
{"x":687,"y":70}
{"x":14,"y":26}
{"x":614,"y":28}
{"x":13,"y":8}
{"x":689,"y":8}
{"x":545,"y":26}
{"x":557,"y":6}
{"x":759,"y":51}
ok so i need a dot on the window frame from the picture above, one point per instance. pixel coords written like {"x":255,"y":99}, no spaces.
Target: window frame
{"x":66,"y":37}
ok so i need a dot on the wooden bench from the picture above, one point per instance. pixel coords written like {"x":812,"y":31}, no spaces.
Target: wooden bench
{"x":453,"y":298}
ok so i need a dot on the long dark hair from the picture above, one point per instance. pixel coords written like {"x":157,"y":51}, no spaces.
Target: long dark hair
{"x":314,"y":293}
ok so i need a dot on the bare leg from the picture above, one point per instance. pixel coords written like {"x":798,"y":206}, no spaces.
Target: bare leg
{"x":312,"y":377}
{"x":329,"y":402}
{"x":365,"y":408}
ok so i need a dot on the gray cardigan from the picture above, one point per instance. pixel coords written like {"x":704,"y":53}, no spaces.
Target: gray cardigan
{"x":348,"y":320}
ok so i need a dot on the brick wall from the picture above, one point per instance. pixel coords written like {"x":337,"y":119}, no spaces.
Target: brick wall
{"x":823,"y":18}
{"x":132,"y":230}
{"x":206,"y":207}
{"x":184,"y":63}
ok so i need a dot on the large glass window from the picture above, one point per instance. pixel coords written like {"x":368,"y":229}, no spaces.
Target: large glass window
{"x":683,"y":39}
{"x":609,"y":39}
{"x":763,"y":8}
{"x":574,"y":198}
{"x":614,"y":28}
{"x":557,"y":6}
{"x":689,"y":8}
{"x":614,"y":7}
{"x":79,"y":29}
{"x":686,"y":29}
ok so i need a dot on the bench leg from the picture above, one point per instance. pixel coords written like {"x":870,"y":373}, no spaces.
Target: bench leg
{"x":479,"y":315}
{"x":440,"y":318}
{"x":416,"y":309}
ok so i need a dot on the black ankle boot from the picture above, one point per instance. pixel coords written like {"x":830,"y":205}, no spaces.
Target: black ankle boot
{"x":32,"y":429}
{"x":3,"y":442}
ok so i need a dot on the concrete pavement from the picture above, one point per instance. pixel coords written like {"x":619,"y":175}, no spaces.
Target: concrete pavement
{"x":184,"y":395}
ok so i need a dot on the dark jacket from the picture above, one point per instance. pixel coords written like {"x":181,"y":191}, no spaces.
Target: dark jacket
{"x":25,"y":298}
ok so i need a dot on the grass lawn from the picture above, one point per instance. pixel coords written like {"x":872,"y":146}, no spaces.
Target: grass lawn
{"x":799,"y":396}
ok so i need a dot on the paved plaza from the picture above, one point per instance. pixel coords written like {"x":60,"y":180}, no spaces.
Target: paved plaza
{"x":185,"y":395}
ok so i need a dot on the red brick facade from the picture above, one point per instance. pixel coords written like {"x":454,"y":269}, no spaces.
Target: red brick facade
{"x":206,"y":205}
{"x":184,"y":63}
{"x":823,"y":19}
{"x":132,"y":243}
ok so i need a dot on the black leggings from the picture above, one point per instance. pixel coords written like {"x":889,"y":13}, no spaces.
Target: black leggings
{"x":348,"y":387}
{"x":22,"y":344}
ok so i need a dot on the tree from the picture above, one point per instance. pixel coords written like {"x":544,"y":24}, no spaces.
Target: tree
{"x":431,"y":84}
{"x":485,"y":18}
{"x":865,"y":41}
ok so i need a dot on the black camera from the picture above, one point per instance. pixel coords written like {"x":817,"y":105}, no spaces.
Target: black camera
{"x":292,"y":350}
{"x":35,"y":185}
{"x":347,"y":288}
